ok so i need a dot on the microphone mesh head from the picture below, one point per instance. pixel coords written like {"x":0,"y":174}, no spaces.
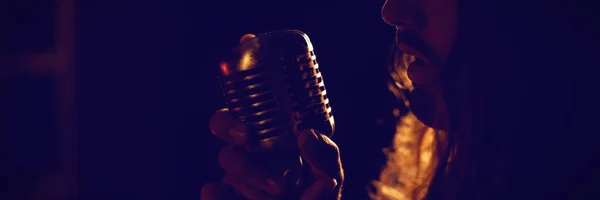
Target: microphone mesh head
{"x":273,"y":84}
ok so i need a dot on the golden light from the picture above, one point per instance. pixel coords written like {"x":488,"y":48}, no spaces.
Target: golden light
{"x":409,"y":162}
{"x":247,"y":61}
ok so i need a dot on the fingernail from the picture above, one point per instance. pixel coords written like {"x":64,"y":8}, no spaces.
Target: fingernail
{"x":322,"y":139}
{"x":319,"y":136}
{"x":271,"y":183}
{"x":237,"y":136}
{"x":238,"y":133}
{"x":308,"y":137}
{"x":276,"y":186}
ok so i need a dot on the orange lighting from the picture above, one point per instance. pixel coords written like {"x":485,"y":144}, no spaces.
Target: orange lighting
{"x":225,"y":69}
{"x":247,"y":61}
{"x":410,"y":162}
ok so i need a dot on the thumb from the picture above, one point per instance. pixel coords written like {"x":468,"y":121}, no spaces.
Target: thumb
{"x":322,"y":154}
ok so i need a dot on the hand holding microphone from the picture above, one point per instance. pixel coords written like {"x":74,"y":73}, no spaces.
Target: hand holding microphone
{"x":250,"y":139}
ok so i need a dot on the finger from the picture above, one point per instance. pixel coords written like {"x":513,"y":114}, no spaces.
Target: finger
{"x":247,"y":37}
{"x":245,"y":188}
{"x":217,"y":191}
{"x":322,"y":154}
{"x":321,"y":189}
{"x":228,"y":129}
{"x":238,"y":164}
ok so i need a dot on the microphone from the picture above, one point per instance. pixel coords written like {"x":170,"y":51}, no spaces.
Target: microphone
{"x":272,"y":83}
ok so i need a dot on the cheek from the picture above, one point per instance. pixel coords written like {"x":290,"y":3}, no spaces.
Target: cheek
{"x":442,"y":25}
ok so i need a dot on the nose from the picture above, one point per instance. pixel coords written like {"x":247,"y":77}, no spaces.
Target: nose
{"x":403,"y":14}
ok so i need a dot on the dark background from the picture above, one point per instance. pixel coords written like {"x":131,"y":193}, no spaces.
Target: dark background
{"x":148,"y":87}
{"x":140,"y":81}
{"x":144,"y":74}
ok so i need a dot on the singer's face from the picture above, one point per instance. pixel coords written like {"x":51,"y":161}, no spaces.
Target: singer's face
{"x":426,"y":31}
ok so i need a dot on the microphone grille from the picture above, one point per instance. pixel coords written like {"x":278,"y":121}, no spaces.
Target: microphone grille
{"x":253,"y":102}
{"x":273,"y":84}
{"x":310,"y":102}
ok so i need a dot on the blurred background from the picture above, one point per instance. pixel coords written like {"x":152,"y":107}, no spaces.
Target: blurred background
{"x":111,"y":99}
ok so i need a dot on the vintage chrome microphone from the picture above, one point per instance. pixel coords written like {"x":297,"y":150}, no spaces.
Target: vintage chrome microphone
{"x":272,"y":83}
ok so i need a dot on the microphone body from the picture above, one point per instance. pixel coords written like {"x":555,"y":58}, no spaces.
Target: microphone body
{"x":272,"y":83}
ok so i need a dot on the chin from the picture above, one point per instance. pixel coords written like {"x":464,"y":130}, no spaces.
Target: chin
{"x":423,"y":106}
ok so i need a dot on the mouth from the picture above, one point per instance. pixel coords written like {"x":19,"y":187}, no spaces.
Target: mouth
{"x":409,"y":43}
{"x":423,"y":71}
{"x":421,"y":62}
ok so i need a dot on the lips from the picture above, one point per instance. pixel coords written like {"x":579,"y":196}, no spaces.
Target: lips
{"x":424,"y":64}
{"x":410,"y":43}
{"x":422,"y":73}
{"x":409,"y":50}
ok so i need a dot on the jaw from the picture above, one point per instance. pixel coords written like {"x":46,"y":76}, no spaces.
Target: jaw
{"x":428,"y":105}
